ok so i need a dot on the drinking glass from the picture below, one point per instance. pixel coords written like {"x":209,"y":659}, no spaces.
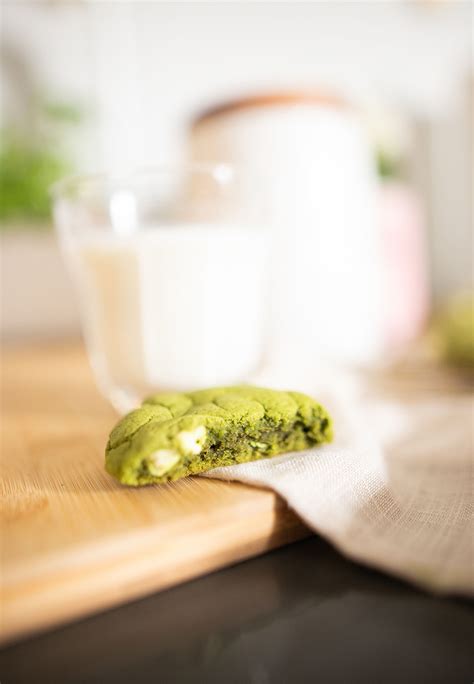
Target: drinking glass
{"x":169,"y":266}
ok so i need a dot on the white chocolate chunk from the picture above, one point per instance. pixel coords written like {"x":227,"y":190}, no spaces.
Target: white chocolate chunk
{"x":161,"y":461}
{"x":192,"y":441}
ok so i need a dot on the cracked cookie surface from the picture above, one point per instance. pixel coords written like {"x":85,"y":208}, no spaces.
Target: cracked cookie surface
{"x":174,"y":434}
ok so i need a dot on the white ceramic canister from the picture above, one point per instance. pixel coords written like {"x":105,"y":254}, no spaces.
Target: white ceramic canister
{"x":315,"y":167}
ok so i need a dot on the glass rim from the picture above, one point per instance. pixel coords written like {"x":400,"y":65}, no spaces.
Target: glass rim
{"x":222,"y":172}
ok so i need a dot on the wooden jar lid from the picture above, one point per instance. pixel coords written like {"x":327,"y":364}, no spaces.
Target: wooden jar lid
{"x":270,"y":100}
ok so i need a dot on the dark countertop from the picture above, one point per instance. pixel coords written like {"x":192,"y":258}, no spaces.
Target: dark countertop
{"x":298,"y":614}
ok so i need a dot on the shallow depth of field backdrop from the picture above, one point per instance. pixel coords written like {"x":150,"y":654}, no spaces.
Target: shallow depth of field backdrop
{"x":112,"y":84}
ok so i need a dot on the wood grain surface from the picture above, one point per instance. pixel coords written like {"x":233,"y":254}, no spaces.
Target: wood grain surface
{"x":73,"y":541}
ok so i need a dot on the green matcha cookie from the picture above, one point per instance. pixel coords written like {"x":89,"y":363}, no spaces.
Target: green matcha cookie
{"x":454,"y":330}
{"x":174,"y":435}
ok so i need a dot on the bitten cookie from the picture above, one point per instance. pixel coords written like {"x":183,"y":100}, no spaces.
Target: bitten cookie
{"x":174,"y":435}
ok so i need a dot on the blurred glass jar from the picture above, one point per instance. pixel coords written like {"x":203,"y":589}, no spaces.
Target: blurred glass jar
{"x":407,"y":288}
{"x":169,"y":266}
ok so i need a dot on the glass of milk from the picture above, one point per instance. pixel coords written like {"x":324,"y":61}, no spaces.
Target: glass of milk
{"x":170,"y":270}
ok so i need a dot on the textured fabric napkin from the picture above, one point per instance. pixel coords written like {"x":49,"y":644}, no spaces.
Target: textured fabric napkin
{"x":394,"y":489}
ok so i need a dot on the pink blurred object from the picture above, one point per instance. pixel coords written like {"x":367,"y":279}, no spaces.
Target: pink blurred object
{"x":405,"y":257}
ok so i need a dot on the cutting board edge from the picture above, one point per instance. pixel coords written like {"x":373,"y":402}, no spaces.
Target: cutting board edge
{"x":87,"y":591}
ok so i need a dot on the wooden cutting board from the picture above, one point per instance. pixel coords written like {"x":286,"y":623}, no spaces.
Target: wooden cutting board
{"x":73,"y":541}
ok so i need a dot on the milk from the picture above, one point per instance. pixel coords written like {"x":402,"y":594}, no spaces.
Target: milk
{"x":173,"y":307}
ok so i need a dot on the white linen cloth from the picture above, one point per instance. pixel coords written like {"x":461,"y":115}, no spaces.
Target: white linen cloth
{"x":394,"y":489}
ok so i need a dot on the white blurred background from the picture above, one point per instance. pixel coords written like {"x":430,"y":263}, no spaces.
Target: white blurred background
{"x":124,"y":79}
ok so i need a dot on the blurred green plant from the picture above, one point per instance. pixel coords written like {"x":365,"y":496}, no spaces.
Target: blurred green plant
{"x":388,"y":166}
{"x":26,"y":173}
{"x":62,"y":111}
{"x":30,"y":163}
